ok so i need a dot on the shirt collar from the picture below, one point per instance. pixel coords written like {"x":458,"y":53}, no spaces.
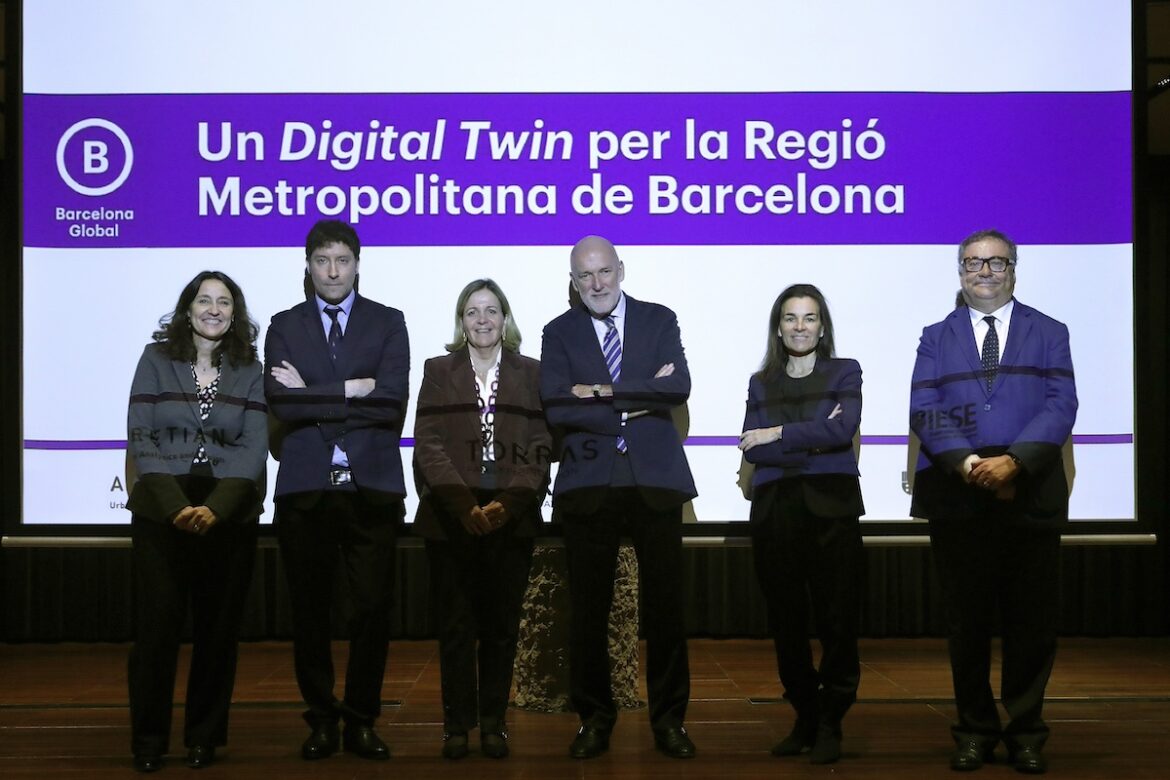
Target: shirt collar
{"x":1002,"y":314}
{"x":346,"y":304}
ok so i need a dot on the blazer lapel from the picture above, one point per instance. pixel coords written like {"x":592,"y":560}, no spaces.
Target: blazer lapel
{"x":185,"y":380}
{"x":964,"y":335}
{"x":315,"y":334}
{"x":1018,"y":335}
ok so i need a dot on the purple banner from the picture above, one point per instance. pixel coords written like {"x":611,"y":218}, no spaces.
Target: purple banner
{"x":536,"y":169}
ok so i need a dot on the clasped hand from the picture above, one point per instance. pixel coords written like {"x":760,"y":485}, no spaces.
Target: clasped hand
{"x":481,"y":521}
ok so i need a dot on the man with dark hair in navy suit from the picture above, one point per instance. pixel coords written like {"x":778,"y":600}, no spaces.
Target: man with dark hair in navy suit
{"x":338,"y":368}
{"x":993,"y":401}
{"x":611,"y":372}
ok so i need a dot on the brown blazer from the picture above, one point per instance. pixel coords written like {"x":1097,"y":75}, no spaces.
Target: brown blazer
{"x":448,"y":451}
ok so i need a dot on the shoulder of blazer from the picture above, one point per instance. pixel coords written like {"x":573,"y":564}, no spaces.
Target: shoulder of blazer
{"x":370,"y":306}
{"x":515,"y":359}
{"x":447,"y":364}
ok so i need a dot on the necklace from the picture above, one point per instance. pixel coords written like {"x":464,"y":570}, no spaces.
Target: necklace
{"x":487,"y":416}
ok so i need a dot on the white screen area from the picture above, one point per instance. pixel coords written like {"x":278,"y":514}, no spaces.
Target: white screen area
{"x":996,"y":114}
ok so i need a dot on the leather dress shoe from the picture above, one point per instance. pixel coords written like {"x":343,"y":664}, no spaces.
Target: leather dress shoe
{"x":802,"y":738}
{"x":590,"y":742}
{"x":674,"y":742}
{"x":364,"y":742}
{"x":827,"y":749}
{"x":970,"y":755}
{"x":1029,"y":760}
{"x":494,"y":744}
{"x":321,"y":743}
{"x":455,"y":746}
{"x":200,"y":756}
{"x":147,"y":763}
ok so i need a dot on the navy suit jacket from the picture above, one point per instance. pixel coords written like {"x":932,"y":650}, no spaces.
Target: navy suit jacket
{"x":319,"y":415}
{"x":815,"y":448}
{"x":1029,"y":412}
{"x":571,"y":355}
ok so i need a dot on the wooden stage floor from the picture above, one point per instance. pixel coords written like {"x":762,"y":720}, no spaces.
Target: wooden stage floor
{"x":63,"y":714}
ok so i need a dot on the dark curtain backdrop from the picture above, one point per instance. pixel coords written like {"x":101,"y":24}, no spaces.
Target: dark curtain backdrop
{"x":55,"y":594}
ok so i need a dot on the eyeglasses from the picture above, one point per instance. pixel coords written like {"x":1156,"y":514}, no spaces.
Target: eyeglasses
{"x":975,"y":264}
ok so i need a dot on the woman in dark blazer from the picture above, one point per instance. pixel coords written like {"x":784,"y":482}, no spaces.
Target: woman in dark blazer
{"x":803,"y":411}
{"x":197,"y":441}
{"x":481,"y":459}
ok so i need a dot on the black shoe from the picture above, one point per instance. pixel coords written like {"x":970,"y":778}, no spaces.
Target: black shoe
{"x":674,"y":742}
{"x":590,"y":742}
{"x":147,"y":763}
{"x":455,"y":746}
{"x":322,"y":743}
{"x":1029,"y":760}
{"x":200,"y":756}
{"x":827,"y":749}
{"x":802,"y":738}
{"x":364,"y":742}
{"x":494,"y":744}
{"x":970,"y":755}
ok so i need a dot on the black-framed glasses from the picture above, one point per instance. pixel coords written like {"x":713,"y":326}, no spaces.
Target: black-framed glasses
{"x":975,"y":264}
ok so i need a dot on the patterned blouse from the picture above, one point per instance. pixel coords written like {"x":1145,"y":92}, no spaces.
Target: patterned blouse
{"x":206,"y":396}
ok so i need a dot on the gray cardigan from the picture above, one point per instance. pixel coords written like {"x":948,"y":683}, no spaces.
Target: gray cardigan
{"x":164,"y":432}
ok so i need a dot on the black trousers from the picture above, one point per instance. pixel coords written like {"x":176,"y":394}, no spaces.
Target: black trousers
{"x":172,"y":568}
{"x":341,"y":527}
{"x":984,"y":564}
{"x":804,"y":561}
{"x":591,"y":544}
{"x":478,"y":585}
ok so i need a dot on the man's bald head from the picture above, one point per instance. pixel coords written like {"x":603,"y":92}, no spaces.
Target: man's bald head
{"x":597,"y":273}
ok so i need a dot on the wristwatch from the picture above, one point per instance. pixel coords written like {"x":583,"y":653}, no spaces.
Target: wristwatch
{"x":597,"y":391}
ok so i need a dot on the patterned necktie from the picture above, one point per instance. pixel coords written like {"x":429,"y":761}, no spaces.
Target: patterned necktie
{"x":612,"y":348}
{"x":990,"y":352}
{"x":334,"y":330}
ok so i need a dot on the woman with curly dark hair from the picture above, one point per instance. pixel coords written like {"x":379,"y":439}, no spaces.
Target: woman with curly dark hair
{"x":197,"y":443}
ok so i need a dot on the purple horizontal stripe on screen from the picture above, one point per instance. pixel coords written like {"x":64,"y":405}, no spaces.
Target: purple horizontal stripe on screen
{"x":692,"y":441}
{"x":1059,"y":171}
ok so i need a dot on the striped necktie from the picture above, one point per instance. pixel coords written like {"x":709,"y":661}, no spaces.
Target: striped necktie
{"x":612,"y":348}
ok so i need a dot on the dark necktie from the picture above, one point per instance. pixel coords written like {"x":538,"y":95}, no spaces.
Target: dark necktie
{"x":612,"y":347}
{"x":334,"y":330}
{"x":990,"y":352}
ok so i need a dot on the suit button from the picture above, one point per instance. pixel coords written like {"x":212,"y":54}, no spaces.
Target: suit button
{"x":987,"y":407}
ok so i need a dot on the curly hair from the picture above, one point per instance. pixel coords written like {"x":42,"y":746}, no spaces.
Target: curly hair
{"x":178,"y":339}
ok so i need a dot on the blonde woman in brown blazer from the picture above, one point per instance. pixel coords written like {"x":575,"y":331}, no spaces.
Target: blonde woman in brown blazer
{"x":481,"y":459}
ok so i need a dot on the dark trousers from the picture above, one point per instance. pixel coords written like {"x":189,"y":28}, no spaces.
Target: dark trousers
{"x":341,"y":526}
{"x":591,"y":544}
{"x":802,"y":560}
{"x":478,"y":585}
{"x":982,"y":564}
{"x":213,"y":572}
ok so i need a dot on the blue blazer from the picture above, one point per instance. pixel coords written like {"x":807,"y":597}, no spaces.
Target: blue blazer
{"x":571,"y":355}
{"x":1029,"y":412}
{"x":318,"y":416}
{"x":812,"y":448}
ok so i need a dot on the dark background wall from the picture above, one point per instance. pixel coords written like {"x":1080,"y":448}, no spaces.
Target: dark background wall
{"x":84,"y":594}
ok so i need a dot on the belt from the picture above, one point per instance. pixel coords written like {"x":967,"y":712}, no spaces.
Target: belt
{"x":340,"y":476}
